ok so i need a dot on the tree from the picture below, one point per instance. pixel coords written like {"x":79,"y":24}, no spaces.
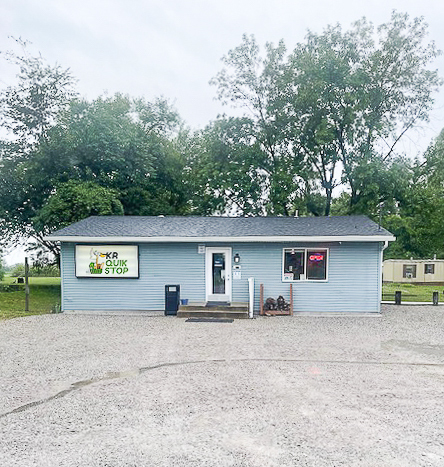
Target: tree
{"x":357,"y":93}
{"x":73,"y":201}
{"x":117,"y":148}
{"x":31,"y":107}
{"x":28,"y":111}
{"x":433,"y":166}
{"x":252,"y":82}
{"x":418,"y":226}
{"x":227,"y":169}
{"x":339,"y":104}
{"x":417,"y":221}
{"x":104,"y":149}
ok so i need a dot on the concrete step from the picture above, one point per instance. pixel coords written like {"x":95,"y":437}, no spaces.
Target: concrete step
{"x":236,"y":310}
{"x":212,"y":313}
{"x":203,"y":307}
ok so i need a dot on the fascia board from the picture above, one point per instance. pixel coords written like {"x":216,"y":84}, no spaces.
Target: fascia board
{"x":246,"y":239}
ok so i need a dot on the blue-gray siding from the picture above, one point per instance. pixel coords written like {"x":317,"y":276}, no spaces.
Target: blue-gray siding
{"x":353,"y":278}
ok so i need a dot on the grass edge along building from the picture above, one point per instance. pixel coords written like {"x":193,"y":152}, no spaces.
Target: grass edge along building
{"x":124,"y":262}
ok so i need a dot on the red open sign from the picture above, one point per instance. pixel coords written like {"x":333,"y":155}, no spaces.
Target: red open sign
{"x":316,"y":257}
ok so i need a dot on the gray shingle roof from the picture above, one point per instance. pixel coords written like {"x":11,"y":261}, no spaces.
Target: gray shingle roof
{"x":203,"y":227}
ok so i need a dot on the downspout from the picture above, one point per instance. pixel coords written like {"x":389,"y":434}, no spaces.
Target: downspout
{"x":380,"y":273}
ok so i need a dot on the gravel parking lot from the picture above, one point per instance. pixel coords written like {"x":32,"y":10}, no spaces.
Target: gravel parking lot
{"x":160,"y":391}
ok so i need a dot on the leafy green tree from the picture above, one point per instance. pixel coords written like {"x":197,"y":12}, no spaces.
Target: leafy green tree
{"x":418,"y":220}
{"x":227,"y":169}
{"x":433,"y":165}
{"x":164,"y":192}
{"x":356,"y":93}
{"x":338,"y":105}
{"x":119,"y":144}
{"x":418,"y":226}
{"x":75,"y":200}
{"x":28,"y":111}
{"x":31,"y":107}
{"x":251,"y":82}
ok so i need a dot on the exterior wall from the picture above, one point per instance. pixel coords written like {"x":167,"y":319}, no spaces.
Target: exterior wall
{"x":353,"y":284}
{"x":393,"y":271}
{"x":159,"y":264}
{"x":387,"y":271}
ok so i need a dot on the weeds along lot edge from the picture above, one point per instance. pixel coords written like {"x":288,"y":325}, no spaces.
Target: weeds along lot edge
{"x":44,"y":296}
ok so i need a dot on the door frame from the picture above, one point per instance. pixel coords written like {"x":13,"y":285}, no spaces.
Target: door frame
{"x":209,"y":296}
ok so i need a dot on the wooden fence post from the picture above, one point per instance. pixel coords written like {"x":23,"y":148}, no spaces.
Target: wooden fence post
{"x":26,"y":285}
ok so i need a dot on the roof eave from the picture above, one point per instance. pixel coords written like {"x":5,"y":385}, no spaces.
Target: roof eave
{"x":246,"y":239}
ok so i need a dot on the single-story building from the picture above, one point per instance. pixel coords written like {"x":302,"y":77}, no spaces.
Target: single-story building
{"x":414,"y":271}
{"x":124,"y":263}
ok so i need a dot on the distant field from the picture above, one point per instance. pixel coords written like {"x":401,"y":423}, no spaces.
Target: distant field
{"x":412,"y":292}
{"x":44,"y":297}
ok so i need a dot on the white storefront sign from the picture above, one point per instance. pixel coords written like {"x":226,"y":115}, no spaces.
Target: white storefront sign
{"x":107,"y":261}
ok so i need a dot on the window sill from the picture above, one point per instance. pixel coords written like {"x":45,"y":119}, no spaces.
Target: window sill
{"x":304,"y":280}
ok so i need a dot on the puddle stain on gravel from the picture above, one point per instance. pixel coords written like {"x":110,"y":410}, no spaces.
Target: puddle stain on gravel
{"x":136,"y":372}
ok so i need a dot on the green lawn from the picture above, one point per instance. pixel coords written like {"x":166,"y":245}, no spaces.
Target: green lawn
{"x":412,"y":292}
{"x":44,"y":297}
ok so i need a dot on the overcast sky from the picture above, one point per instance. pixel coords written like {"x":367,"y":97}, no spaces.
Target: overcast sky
{"x":173,"y":47}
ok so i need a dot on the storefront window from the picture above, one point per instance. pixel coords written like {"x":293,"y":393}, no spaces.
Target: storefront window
{"x":294,"y":264}
{"x":316,"y":264}
{"x":304,"y":264}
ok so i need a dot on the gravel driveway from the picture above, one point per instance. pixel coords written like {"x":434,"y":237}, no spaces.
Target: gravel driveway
{"x":159,"y":391}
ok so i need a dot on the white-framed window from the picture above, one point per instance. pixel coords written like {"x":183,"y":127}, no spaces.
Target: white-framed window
{"x":304,"y":264}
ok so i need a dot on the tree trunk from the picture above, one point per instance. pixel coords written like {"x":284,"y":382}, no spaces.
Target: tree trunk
{"x":354,"y":199}
{"x":328,"y":201}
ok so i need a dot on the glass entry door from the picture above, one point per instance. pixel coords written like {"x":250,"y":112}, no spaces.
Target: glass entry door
{"x":218,"y":274}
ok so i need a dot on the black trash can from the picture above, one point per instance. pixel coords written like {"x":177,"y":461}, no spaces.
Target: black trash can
{"x":172,"y":299}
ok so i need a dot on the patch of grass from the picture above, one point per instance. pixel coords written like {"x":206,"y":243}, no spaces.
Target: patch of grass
{"x":44,"y":297}
{"x":412,"y":292}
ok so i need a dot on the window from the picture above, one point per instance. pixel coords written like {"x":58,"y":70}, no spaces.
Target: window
{"x":409,"y":271}
{"x":316,"y":265}
{"x":294,"y":264}
{"x":429,"y":269}
{"x":305,"y":264}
